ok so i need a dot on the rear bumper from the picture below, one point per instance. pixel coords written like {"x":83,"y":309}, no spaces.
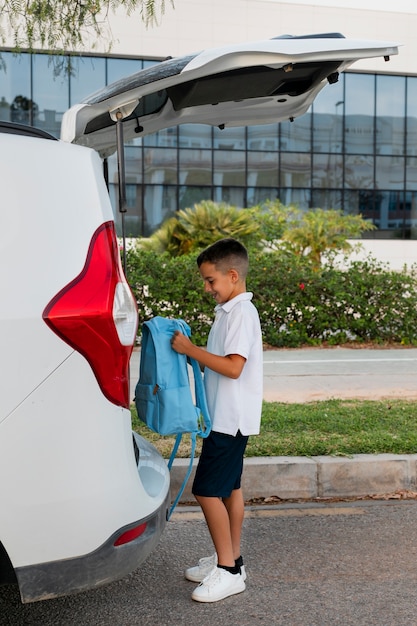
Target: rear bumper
{"x":104,"y":565}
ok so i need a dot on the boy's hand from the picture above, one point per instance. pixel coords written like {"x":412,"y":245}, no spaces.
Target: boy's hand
{"x":180,"y":343}
{"x":230,"y":365}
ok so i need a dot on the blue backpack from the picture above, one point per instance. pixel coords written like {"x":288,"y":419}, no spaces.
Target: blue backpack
{"x":163,"y":396}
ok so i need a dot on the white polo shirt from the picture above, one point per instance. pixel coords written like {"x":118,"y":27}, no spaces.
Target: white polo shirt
{"x":236,"y":404}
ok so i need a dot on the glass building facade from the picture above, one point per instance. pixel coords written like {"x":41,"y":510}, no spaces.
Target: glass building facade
{"x":354,"y":150}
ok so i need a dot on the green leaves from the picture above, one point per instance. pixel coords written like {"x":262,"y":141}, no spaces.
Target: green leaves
{"x":63,"y":25}
{"x":319,"y":231}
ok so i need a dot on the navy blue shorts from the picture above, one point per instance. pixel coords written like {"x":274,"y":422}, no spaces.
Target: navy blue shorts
{"x":220,"y":466}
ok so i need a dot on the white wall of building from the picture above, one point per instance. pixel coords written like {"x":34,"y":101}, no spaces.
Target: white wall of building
{"x":192,"y":25}
{"x":396,"y":253}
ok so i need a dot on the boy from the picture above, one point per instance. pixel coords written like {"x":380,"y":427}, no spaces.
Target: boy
{"x":233,"y":381}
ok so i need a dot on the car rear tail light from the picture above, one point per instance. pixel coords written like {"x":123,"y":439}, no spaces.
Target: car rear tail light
{"x":96,"y":314}
{"x":130,"y":535}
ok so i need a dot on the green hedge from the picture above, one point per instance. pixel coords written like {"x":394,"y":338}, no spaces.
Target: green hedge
{"x":298,"y":306}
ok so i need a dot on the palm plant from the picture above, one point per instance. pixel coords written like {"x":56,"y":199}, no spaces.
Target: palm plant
{"x":195,"y":228}
{"x":319,"y":231}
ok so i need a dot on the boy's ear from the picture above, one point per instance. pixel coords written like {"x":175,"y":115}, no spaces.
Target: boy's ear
{"x":234,"y":275}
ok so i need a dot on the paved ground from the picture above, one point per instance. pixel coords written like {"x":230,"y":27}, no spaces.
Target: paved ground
{"x":347,"y":564}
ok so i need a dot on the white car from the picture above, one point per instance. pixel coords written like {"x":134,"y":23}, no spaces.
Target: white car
{"x":83,"y":499}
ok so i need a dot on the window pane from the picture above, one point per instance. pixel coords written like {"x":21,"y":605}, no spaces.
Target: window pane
{"x":328,"y":133}
{"x":15,"y":88}
{"x":327,"y":171}
{"x":230,"y":138}
{"x":390,"y":211}
{"x":411,"y":119}
{"x":411,"y":173}
{"x":229,"y":168}
{"x":150,"y":63}
{"x":160,"y":203}
{"x":50,"y":93}
{"x":359,"y":172}
{"x":412,"y":203}
{"x":89,"y":75}
{"x":390,"y":111}
{"x":164,"y":138}
{"x":375,"y":207}
{"x":134,"y":225}
{"x":189,"y":196}
{"x":390,"y":135}
{"x":327,"y":199}
{"x":264,"y":137}
{"x":263,"y":169}
{"x":257,"y":195}
{"x":195,"y":167}
{"x":359,"y":110}
{"x":295,"y":170}
{"x":389,"y":172}
{"x":229,"y":195}
{"x":119,"y":68}
{"x":329,"y":99}
{"x":328,"y":118}
{"x":359,"y":134}
{"x":133,"y":166}
{"x":195,"y":136}
{"x":296,"y":135}
{"x":299,"y":197}
{"x":360,"y":96}
{"x":390,"y":96}
{"x":160,"y":165}
{"x":358,"y":201}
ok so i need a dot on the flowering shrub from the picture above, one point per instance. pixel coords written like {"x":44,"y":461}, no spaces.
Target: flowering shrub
{"x":297,"y":304}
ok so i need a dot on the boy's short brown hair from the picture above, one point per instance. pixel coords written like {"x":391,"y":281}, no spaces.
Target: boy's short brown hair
{"x":226,"y":254}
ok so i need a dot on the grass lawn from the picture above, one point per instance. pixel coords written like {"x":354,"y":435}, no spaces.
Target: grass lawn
{"x":332,"y":427}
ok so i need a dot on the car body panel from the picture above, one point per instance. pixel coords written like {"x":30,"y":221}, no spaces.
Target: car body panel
{"x":91,"y":570}
{"x":258,"y":82}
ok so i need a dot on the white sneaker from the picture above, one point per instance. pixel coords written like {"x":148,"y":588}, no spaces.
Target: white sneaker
{"x":199,"y":572}
{"x":219,"y":584}
{"x":206,"y":565}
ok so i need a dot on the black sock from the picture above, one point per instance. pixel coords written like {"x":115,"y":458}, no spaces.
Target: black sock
{"x":239,"y":561}
{"x":233,"y":570}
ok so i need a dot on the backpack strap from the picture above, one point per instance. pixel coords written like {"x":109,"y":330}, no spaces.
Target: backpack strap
{"x":190,"y":467}
{"x":201,"y":400}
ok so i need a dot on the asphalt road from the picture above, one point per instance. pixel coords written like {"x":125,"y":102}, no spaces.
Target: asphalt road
{"x":310,"y":374}
{"x":321,"y":374}
{"x":352,"y":564}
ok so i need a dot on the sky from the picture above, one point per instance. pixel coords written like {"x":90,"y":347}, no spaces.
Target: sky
{"x":393,"y":6}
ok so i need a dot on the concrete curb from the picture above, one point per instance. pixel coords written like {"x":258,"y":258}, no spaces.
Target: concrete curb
{"x":308,"y":478}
